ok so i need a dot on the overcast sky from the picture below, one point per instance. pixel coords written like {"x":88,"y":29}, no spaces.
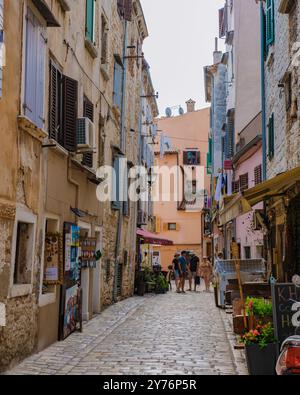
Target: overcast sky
{"x":180,"y":43}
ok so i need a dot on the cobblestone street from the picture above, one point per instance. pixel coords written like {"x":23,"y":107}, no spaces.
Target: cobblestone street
{"x":164,"y":334}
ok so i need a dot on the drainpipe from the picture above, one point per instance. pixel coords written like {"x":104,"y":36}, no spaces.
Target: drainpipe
{"x":122,"y":147}
{"x":263,"y":93}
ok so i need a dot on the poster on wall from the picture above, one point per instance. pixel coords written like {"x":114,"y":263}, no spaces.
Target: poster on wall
{"x":71,"y":258}
{"x":87,"y":252}
{"x":53,"y":258}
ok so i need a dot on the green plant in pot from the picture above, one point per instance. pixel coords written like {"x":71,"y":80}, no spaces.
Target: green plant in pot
{"x":259,"y":311}
{"x":261,"y":350}
{"x":162,"y":285}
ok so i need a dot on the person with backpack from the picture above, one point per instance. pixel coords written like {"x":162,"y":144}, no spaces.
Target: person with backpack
{"x":193,"y":271}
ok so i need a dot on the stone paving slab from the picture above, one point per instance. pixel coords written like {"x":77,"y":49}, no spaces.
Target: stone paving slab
{"x":164,"y":334}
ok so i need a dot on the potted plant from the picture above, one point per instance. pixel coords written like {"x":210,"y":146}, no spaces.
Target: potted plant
{"x":162,"y":285}
{"x":261,"y":350}
{"x":259,"y":311}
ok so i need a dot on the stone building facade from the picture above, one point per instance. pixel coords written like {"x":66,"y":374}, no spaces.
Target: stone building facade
{"x":68,"y":65}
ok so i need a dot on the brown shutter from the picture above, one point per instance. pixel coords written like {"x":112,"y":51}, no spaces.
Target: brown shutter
{"x":121,"y":7}
{"x":258,"y":175}
{"x":244,"y":182}
{"x":88,"y":112}
{"x":128,"y":10}
{"x":198,"y":158}
{"x":70,"y":106}
{"x":54,"y":100}
{"x":185,"y":157}
{"x":235,"y":186}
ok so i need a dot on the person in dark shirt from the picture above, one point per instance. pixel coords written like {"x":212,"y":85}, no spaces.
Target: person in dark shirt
{"x":177,"y":272}
{"x":183,"y":266}
{"x":193,"y":272}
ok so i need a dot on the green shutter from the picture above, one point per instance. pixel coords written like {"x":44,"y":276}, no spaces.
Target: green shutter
{"x":209,"y":157}
{"x":270,"y":23}
{"x":90,"y":4}
{"x":271,"y":137}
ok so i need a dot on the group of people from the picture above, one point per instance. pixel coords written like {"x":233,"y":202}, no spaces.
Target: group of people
{"x":188,"y":266}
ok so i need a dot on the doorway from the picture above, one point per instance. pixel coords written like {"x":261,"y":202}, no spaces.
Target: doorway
{"x":292,"y":265}
{"x":97,"y":275}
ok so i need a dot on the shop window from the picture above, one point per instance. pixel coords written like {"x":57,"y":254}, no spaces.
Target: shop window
{"x":24,"y":250}
{"x":247,"y":251}
{"x":51,"y":269}
{"x":191,"y":158}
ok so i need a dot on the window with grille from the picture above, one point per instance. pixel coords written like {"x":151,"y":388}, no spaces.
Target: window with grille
{"x":258,"y":175}
{"x":244,"y":182}
{"x":235,"y":186}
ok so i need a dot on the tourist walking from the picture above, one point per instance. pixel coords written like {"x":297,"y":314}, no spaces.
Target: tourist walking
{"x":193,"y":271}
{"x":206,"y":272}
{"x":176,"y":271}
{"x":183,"y":269}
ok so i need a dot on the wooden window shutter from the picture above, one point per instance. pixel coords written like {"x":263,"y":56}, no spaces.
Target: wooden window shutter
{"x":271,"y":137}
{"x":270,"y":23}
{"x":54,"y":102}
{"x":222,"y":22}
{"x":258,"y":175}
{"x":157,"y":225}
{"x":185,"y":157}
{"x":244,"y":182}
{"x":31,"y":66}
{"x":128,"y":10}
{"x":40,"y":78}
{"x":177,"y":227}
{"x":70,"y":110}
{"x":90,"y":10}
{"x":121,"y":7}
{"x":165,"y":227}
{"x":88,"y":112}
{"x":235,"y":186}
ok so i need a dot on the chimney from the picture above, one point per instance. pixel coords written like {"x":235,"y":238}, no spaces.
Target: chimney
{"x":190,"y":105}
{"x":217,"y":54}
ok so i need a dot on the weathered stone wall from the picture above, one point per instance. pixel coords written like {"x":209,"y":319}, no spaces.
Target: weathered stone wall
{"x":278,"y":62}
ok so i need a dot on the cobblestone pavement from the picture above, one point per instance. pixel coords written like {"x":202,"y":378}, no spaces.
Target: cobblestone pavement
{"x":163,"y":334}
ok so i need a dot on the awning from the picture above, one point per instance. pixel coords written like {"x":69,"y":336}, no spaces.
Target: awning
{"x":152,"y":238}
{"x":237,"y":205}
{"x":273,"y":187}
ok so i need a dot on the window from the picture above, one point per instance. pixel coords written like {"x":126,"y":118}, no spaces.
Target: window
{"x":35,"y":55}
{"x":63,"y":103}
{"x":120,"y":184}
{"x":126,"y":203}
{"x":244,"y":182}
{"x":107,"y":270}
{"x":271,"y":137}
{"x":23,"y":257}
{"x":90,"y":21}
{"x":247,"y":251}
{"x":288,"y":91}
{"x":125,"y":9}
{"x":118,"y":84}
{"x":235,"y":186}
{"x":88,"y":112}
{"x":229,"y":139}
{"x":172,"y":226}
{"x":191,"y":158}
{"x":270,"y":22}
{"x":258,"y":175}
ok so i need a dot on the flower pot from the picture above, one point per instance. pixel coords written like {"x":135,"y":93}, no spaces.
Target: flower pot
{"x":261,"y":362}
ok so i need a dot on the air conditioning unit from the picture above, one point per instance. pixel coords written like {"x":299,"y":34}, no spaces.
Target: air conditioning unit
{"x":86,"y":135}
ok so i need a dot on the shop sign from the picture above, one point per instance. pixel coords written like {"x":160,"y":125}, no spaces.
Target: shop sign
{"x":286,"y":310}
{"x":53,"y":258}
{"x":87,"y":252}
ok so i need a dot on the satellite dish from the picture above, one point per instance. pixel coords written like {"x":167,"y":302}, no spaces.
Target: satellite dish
{"x":181,"y":111}
{"x":168,"y":112}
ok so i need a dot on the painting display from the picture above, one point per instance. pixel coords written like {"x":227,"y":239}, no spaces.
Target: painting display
{"x":88,"y":252}
{"x":53,"y":257}
{"x":71,"y":310}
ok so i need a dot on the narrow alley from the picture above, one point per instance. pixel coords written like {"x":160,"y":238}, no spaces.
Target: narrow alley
{"x":164,"y":334}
